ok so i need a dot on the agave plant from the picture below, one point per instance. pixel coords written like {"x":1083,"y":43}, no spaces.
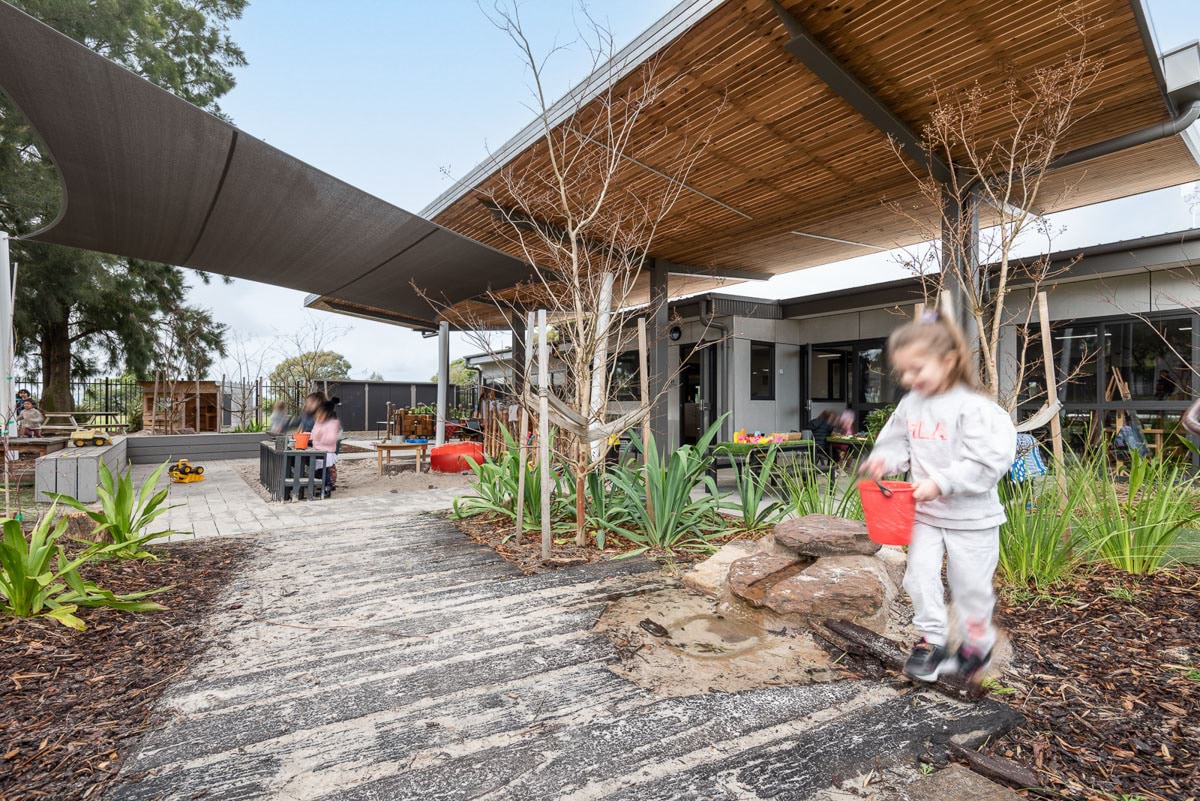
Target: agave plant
{"x":496,"y":486}
{"x":125,"y":513}
{"x":37,"y":579}
{"x":661,"y":512}
{"x":752,"y":488}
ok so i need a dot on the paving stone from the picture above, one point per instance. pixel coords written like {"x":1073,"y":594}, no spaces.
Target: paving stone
{"x":955,"y":783}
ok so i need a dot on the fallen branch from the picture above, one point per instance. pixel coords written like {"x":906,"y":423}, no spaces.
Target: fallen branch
{"x":996,"y":768}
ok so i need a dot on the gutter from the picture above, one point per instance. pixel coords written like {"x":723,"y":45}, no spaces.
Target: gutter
{"x":1162,"y":130}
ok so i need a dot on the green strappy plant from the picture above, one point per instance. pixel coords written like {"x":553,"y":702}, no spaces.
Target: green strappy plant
{"x":125,"y":513}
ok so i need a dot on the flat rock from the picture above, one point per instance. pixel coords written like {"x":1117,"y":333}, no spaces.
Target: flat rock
{"x":855,"y":588}
{"x":952,"y":784}
{"x":709,"y":576}
{"x":895,"y":560}
{"x":824,"y":535}
{"x":751,"y":577}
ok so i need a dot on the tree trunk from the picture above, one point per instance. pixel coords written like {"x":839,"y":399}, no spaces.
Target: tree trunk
{"x":56,"y":368}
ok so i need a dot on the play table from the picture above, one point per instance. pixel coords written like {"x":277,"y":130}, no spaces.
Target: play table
{"x":420,"y":451}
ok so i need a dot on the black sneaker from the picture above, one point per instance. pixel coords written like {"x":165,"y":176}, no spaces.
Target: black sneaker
{"x":972,"y":663}
{"x":926,"y":660}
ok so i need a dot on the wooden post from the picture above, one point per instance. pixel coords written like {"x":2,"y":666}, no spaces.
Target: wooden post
{"x":197,"y":405}
{"x":918,"y":310}
{"x":523,"y":442}
{"x":544,"y":428}
{"x":644,"y":385}
{"x":1052,"y":399}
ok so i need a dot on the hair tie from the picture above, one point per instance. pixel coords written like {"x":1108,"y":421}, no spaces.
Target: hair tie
{"x":929,"y":317}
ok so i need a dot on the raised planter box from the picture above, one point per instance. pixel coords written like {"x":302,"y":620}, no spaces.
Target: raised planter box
{"x":76,"y":471}
{"x":159,"y":448}
{"x":28,"y":451}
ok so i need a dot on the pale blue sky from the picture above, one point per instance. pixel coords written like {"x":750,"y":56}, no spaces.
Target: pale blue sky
{"x":390,"y":95}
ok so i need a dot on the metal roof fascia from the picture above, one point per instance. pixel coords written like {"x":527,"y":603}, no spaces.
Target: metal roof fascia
{"x":666,"y":30}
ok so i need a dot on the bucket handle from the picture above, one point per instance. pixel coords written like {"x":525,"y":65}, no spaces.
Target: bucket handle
{"x":884,"y":491}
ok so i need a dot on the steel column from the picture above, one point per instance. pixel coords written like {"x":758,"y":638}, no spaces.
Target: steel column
{"x":443,"y":380}
{"x":659,"y":325}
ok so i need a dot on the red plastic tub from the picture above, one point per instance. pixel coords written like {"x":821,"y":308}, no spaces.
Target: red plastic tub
{"x":889,"y":519}
{"x":301,"y":440}
{"x":452,"y":458}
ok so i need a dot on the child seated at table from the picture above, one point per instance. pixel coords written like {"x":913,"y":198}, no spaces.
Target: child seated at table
{"x":30,"y":420}
{"x":325,"y":433}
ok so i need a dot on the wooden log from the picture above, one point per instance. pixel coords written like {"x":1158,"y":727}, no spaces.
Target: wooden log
{"x":861,"y":641}
{"x":996,"y":768}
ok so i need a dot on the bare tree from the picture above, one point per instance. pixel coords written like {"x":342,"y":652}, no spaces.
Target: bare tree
{"x":570,"y":209}
{"x":245,"y":366}
{"x":1002,"y":169}
{"x":303,"y":349}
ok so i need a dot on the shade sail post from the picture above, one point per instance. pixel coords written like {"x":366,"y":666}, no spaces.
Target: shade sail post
{"x":443,"y":380}
{"x":659,"y":322}
{"x":6,"y":331}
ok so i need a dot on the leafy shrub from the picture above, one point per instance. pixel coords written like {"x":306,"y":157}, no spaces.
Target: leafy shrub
{"x":125,"y":512}
{"x":1133,"y":527}
{"x":32,"y":587}
{"x":677,"y":521}
{"x":752,"y":488}
{"x":877,"y":419}
{"x":1036,"y":546}
{"x":496,"y":487}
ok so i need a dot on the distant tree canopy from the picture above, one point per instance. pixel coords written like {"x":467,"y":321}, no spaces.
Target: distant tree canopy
{"x":460,"y":374}
{"x":74,"y":305}
{"x":311,"y":368}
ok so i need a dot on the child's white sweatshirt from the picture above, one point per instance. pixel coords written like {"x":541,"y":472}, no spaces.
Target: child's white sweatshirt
{"x":961,"y":440}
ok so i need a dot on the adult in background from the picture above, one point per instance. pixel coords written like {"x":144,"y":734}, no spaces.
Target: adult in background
{"x":308,"y":414}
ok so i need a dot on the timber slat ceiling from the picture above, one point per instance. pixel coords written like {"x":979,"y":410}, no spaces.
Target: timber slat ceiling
{"x":790,"y":155}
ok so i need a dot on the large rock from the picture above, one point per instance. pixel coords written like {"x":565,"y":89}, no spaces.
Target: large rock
{"x":855,"y":588}
{"x":824,"y":535}
{"x":709,"y":576}
{"x":751,"y":577}
{"x":895,"y":560}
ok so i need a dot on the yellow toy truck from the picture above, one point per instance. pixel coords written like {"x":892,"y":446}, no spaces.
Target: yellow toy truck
{"x":184,"y":472}
{"x":86,"y":436}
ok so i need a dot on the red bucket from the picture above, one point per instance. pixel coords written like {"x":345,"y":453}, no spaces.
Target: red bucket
{"x":889,"y":519}
{"x":301,"y":439}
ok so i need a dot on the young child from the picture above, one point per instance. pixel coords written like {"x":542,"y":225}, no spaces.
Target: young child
{"x":957,"y":444}
{"x":30,"y":419}
{"x":279,"y":418}
{"x":325,"y":432}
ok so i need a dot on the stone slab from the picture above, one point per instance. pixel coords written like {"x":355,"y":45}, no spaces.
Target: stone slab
{"x":824,"y":535}
{"x":955,"y":783}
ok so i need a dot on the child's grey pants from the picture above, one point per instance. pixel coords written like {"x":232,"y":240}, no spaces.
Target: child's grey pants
{"x":972,"y":562}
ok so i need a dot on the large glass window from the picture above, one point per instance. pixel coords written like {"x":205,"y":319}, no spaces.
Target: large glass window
{"x":1151,"y":356}
{"x":762,"y":371}
{"x":828,"y":373}
{"x":626,"y":383}
{"x":1076,"y":352}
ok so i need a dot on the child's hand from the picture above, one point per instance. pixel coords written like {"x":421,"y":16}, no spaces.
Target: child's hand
{"x":926,"y":490}
{"x":873,"y":469}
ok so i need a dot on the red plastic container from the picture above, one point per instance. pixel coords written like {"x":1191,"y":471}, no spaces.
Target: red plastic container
{"x":301,"y":439}
{"x":452,"y":458}
{"x":889,"y":519}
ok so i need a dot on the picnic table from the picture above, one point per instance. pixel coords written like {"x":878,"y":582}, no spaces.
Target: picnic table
{"x":420,"y":449}
{"x":748,"y":454}
{"x":290,"y":472}
{"x":107,"y":421}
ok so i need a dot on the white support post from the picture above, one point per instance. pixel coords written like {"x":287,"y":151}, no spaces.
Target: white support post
{"x":600,"y":360}
{"x":523,"y":444}
{"x":443,"y":380}
{"x":6,"y":355}
{"x":544,"y":429}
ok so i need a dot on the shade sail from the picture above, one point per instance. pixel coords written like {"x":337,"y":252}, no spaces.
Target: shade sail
{"x":150,"y":176}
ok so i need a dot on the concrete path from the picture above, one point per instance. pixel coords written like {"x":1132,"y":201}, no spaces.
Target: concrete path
{"x":394,"y":659}
{"x":225,"y":505}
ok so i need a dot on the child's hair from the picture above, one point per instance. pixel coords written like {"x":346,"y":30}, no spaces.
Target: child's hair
{"x":280,"y":406}
{"x":939,"y":334}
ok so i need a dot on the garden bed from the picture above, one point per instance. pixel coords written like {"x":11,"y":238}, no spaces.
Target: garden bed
{"x":1107,"y":674}
{"x":74,"y":700}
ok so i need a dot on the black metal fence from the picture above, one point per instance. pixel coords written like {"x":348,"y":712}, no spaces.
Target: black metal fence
{"x":120,"y":395}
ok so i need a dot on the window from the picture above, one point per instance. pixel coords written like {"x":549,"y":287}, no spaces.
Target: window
{"x":1151,"y":357}
{"x":828,"y":371}
{"x":875,"y":378}
{"x":1075,"y":350}
{"x":626,"y":383}
{"x":762,"y":371}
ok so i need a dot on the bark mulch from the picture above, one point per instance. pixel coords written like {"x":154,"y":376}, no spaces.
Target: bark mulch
{"x":72,"y":701}
{"x":1107,"y":675}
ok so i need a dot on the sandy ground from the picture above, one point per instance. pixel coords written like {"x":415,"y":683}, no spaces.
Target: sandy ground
{"x":358,"y":478}
{"x":709,"y":649}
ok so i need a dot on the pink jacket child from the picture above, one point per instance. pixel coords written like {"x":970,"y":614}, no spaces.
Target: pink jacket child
{"x":325,"y":432}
